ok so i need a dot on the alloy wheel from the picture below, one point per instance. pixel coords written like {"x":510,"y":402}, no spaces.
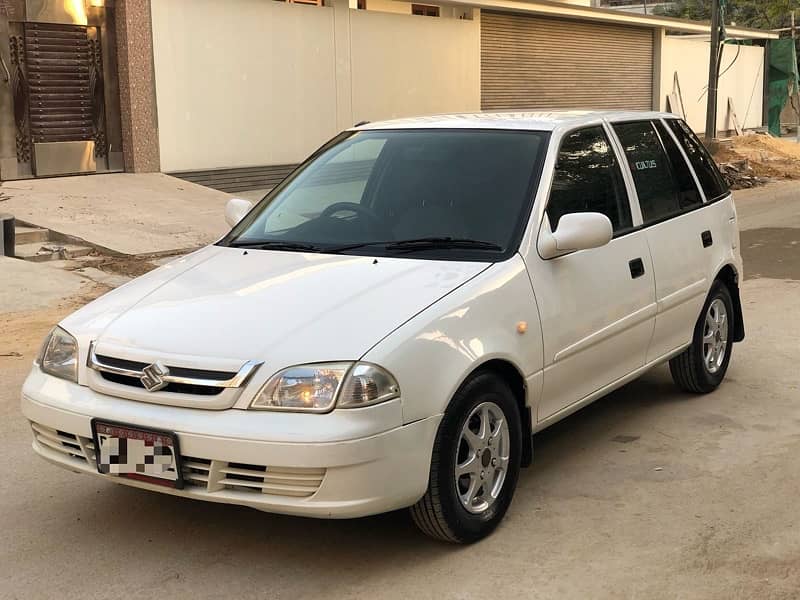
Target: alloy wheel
{"x":715,"y":336}
{"x":482,"y":457}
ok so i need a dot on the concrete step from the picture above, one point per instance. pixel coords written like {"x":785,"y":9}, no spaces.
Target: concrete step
{"x":39,"y":252}
{"x":30,"y":235}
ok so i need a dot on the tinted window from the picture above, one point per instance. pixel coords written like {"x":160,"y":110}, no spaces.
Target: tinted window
{"x":376,"y":187}
{"x":688,"y":194}
{"x":656,"y":187}
{"x":587,"y":178}
{"x":706,"y":169}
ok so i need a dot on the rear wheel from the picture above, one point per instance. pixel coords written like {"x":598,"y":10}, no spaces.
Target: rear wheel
{"x":475,"y":463}
{"x":702,"y":366}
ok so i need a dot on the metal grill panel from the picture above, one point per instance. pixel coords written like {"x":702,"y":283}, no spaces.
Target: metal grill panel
{"x":59,"y":65}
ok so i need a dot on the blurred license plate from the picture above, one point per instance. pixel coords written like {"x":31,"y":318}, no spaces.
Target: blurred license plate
{"x":144,"y":454}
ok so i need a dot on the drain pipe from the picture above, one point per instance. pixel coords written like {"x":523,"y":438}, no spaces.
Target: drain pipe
{"x":6,"y":235}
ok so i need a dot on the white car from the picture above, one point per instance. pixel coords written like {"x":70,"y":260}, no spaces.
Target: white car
{"x":390,"y":326}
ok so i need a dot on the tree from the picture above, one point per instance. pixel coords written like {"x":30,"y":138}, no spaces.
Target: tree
{"x":762,"y":14}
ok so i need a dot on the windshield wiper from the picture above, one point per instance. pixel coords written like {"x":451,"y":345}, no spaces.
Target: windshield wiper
{"x":426,"y":243}
{"x":437,"y":243}
{"x":276,"y":245}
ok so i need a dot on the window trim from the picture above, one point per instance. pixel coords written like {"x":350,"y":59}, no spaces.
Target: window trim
{"x":685,"y":157}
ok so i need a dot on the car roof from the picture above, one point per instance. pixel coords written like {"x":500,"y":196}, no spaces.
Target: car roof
{"x":534,"y":121}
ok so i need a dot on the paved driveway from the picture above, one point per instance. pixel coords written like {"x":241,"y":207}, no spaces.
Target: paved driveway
{"x":648,"y":493}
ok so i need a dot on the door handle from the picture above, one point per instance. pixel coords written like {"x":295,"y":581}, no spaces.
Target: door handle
{"x":637,"y":268}
{"x":707,"y":238}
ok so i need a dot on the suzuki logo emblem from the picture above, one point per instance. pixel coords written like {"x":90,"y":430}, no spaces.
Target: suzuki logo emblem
{"x":153,"y":377}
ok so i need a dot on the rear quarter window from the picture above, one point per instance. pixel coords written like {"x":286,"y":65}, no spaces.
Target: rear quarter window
{"x":705,"y":168}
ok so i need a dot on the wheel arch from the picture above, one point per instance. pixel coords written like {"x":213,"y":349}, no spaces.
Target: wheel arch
{"x":509,"y":373}
{"x":730,"y":277}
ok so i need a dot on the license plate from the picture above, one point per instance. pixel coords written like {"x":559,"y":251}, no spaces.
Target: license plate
{"x":145,"y":454}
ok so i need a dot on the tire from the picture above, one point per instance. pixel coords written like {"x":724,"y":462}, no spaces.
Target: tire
{"x":694,"y":370}
{"x":441,"y":513}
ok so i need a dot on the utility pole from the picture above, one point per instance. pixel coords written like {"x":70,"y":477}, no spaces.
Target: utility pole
{"x":713,"y":72}
{"x":796,"y":92}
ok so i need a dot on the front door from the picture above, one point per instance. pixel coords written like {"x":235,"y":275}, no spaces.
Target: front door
{"x":597,"y":306}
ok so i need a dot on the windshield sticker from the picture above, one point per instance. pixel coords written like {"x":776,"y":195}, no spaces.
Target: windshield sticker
{"x":643,"y":165}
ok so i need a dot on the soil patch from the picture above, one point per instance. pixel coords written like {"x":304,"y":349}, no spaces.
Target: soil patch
{"x":758,"y":156}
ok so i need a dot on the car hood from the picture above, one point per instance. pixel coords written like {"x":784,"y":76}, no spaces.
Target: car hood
{"x":280,"y":307}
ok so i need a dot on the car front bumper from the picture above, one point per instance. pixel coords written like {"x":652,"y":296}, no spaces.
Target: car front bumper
{"x":349,"y":463}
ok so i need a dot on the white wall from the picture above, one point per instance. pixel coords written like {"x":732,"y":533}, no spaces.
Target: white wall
{"x":404,"y":65}
{"x":743,"y":81}
{"x":243,"y":86}
{"x":404,"y":8}
{"x":255,"y":82}
{"x":392,"y":6}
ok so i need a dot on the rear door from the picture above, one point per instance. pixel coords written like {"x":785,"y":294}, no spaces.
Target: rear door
{"x":679,"y":235}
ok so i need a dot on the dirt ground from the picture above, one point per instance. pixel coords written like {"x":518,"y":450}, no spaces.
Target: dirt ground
{"x":766,"y":156}
{"x":649,"y":493}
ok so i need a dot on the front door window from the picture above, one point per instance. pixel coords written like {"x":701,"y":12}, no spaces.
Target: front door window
{"x":587,"y":178}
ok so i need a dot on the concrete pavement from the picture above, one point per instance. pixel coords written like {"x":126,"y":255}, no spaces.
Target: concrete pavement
{"x":27,"y":286}
{"x":125,"y":213}
{"x":648,"y":493}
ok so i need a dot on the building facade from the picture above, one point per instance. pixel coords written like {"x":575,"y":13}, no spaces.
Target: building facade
{"x":232,"y":94}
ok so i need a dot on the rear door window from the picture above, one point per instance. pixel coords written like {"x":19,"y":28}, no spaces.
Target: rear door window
{"x":588,"y":178}
{"x":656,"y":187}
{"x":711,"y":180}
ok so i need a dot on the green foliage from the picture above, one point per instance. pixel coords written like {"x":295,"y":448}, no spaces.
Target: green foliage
{"x":762,"y":14}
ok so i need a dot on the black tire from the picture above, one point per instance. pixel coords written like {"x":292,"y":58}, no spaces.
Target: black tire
{"x":440,"y":513}
{"x":689,"y":370}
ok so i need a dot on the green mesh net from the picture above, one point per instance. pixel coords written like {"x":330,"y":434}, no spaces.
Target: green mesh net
{"x":783,"y":80}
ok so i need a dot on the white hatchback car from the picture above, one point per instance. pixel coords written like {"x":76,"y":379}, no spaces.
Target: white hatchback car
{"x":390,"y":325}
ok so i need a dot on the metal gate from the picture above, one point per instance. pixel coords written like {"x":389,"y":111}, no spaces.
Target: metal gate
{"x":541,"y":63}
{"x":64,"y":118}
{"x":65,"y":124}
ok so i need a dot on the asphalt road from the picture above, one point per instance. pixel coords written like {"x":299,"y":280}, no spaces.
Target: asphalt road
{"x":649,"y":493}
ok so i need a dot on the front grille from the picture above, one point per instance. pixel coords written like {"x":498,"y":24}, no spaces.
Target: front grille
{"x":177,"y":371}
{"x":173,"y":387}
{"x":215,"y":475}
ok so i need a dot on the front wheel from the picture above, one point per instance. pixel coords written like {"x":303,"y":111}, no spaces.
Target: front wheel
{"x":702,"y":366}
{"x":475,"y":463}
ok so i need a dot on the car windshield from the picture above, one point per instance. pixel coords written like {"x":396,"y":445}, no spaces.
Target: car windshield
{"x":436,"y":193}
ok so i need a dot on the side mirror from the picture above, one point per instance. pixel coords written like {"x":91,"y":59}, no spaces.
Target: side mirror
{"x":576,"y":231}
{"x":236,"y":209}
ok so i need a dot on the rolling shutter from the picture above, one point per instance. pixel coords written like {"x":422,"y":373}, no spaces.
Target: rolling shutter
{"x":541,"y":63}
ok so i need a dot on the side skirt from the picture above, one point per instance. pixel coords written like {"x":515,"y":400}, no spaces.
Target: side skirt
{"x":576,"y":406}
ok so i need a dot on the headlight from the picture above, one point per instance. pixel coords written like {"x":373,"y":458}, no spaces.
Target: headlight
{"x":316,"y":388}
{"x":367,"y":384}
{"x":59,"y":355}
